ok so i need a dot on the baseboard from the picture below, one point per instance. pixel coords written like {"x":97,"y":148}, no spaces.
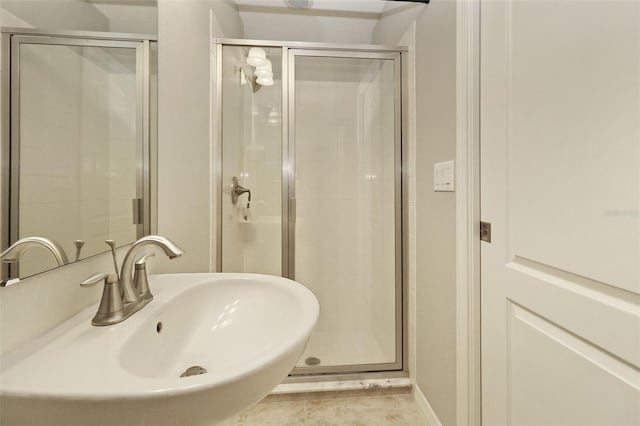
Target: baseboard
{"x":425,"y":407}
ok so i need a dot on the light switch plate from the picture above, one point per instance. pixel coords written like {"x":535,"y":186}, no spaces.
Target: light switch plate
{"x":444,"y":176}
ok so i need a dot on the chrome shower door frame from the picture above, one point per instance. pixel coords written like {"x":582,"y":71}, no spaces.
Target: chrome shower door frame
{"x":291,"y":50}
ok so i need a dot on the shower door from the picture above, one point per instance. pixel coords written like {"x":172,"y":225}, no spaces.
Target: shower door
{"x":344,"y":156}
{"x":319,"y":150}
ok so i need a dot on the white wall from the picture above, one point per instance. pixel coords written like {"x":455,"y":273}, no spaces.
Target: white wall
{"x":435,"y":212}
{"x":55,"y":15}
{"x":431,"y":215}
{"x":226,"y":17}
{"x":37,"y":304}
{"x":8,"y":19}
{"x":130,"y":17}
{"x":287,"y":24}
{"x":187,"y":128}
{"x":89,"y":15}
{"x":394,"y":22}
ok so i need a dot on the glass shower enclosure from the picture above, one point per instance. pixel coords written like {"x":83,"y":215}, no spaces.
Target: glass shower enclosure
{"x":311,"y":188}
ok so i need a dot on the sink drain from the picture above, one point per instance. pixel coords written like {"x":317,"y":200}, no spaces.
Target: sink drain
{"x":312,"y":360}
{"x":194,"y":371}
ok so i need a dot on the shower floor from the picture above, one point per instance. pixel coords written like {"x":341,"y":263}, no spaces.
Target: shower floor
{"x":345,"y":347}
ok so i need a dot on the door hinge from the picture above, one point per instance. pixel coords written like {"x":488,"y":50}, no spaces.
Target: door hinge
{"x":137,"y":211}
{"x":485,"y":231}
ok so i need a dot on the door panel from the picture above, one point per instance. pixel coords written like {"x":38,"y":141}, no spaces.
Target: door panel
{"x":573,"y":113}
{"x":344,"y":153}
{"x":595,"y":387}
{"x":579,"y":305}
{"x":560,"y":138}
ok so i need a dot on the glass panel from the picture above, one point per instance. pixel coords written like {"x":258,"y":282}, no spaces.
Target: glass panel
{"x":251,"y":153}
{"x":345,"y":206}
{"x":78,"y":138}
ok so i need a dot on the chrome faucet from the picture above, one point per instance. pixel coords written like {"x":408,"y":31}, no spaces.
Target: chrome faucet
{"x":121,"y":298}
{"x":13,"y":253}
{"x":126,"y":273}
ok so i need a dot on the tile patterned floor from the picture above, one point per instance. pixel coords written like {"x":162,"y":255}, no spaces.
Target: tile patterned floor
{"x":359,"y":408}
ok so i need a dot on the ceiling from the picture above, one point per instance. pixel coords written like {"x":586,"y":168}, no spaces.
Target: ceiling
{"x":362,"y":6}
{"x":329,"y":21}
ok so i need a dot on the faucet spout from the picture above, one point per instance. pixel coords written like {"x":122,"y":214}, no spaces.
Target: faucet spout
{"x":13,"y":253}
{"x":130,"y":294}
{"x":120,"y":297}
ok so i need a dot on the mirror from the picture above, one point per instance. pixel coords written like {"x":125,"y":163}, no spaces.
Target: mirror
{"x":78,"y":141}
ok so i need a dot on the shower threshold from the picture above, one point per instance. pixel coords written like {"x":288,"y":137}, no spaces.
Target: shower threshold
{"x":343,"y":382}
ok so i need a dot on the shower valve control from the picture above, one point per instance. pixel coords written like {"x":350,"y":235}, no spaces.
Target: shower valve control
{"x":237,"y":190}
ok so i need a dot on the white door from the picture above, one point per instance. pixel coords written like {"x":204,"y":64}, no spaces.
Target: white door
{"x":560,"y":138}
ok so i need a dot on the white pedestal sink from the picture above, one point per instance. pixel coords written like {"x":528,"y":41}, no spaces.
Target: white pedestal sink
{"x":246,"y":331}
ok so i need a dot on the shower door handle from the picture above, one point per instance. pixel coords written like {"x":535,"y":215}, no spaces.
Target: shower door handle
{"x":292,"y":210}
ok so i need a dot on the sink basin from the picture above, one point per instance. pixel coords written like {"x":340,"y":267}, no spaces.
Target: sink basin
{"x":206,"y":347}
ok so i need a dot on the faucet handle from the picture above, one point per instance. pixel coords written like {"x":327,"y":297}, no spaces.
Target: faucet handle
{"x":140,"y":279}
{"x":112,"y":245}
{"x":110,"y":310}
{"x":140,"y":263}
{"x":79,"y":244}
{"x":97,"y":278}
